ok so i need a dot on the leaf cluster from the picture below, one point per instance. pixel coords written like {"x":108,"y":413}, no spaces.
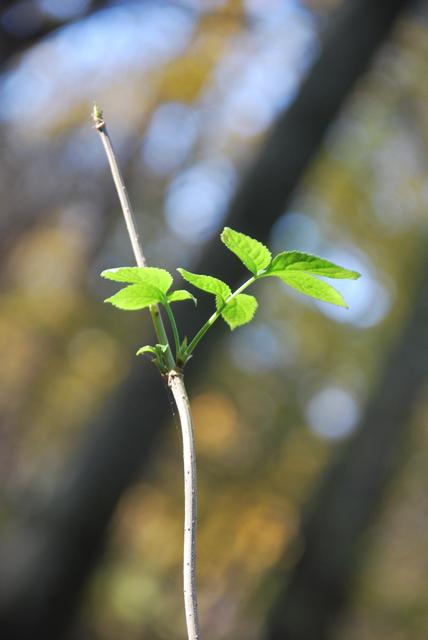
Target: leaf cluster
{"x":147,"y":286}
{"x":150,"y":286}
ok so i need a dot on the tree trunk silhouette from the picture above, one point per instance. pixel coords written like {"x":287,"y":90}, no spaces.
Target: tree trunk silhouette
{"x":32,"y":25}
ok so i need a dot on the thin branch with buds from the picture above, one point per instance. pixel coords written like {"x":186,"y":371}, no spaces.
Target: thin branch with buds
{"x":178,"y":389}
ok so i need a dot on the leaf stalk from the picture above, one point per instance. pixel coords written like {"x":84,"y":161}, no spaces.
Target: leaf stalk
{"x":209,"y":323}
{"x":174,"y":327}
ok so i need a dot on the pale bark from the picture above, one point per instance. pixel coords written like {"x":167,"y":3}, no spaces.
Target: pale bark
{"x":176,"y":384}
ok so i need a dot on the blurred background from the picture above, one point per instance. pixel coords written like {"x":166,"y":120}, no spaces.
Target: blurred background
{"x":304,"y":124}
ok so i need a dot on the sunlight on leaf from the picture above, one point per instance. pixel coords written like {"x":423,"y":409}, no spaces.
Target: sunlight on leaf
{"x":298,"y":261}
{"x":239,"y":310}
{"x":310,"y":286}
{"x":136,"y":296}
{"x":179,"y":295}
{"x":153,"y":276}
{"x":207,"y":283}
{"x":252,"y":253}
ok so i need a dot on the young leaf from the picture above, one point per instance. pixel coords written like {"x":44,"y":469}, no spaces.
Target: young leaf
{"x":182,"y":356}
{"x":157,"y":351}
{"x":136,"y":296}
{"x":308,"y":263}
{"x":252,"y":253}
{"x":153,"y":276}
{"x":146,"y":349}
{"x":239,"y":310}
{"x":183,"y":345}
{"x":131,"y":275}
{"x":207,"y":283}
{"x":310,"y":286}
{"x":179,"y":295}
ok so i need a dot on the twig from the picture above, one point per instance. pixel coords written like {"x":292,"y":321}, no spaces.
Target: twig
{"x":128,"y":214}
{"x":178,"y":389}
{"x":121,"y":191}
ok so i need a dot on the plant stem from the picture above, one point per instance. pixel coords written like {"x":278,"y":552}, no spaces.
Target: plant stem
{"x":178,"y":389}
{"x":174,"y":328}
{"x":208,"y":324}
{"x":128,"y":214}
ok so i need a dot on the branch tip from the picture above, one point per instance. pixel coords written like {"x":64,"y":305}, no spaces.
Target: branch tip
{"x":97,"y":116}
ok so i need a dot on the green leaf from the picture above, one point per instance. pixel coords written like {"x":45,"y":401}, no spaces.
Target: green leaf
{"x":207,"y":283}
{"x":153,"y":276}
{"x":146,"y":349}
{"x":182,"y":356}
{"x":131,"y":275}
{"x":179,"y":295}
{"x":310,"y":286}
{"x":308,"y":263}
{"x":136,"y":296}
{"x":163,"y":348}
{"x":239,"y":310}
{"x":255,"y":256}
{"x":157,"y":351}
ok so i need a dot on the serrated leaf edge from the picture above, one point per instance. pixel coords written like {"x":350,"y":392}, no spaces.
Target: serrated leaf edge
{"x":184,"y":273}
{"x":309,"y":275}
{"x":353,"y":275}
{"x":255,"y":270}
{"x":236,"y":298}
